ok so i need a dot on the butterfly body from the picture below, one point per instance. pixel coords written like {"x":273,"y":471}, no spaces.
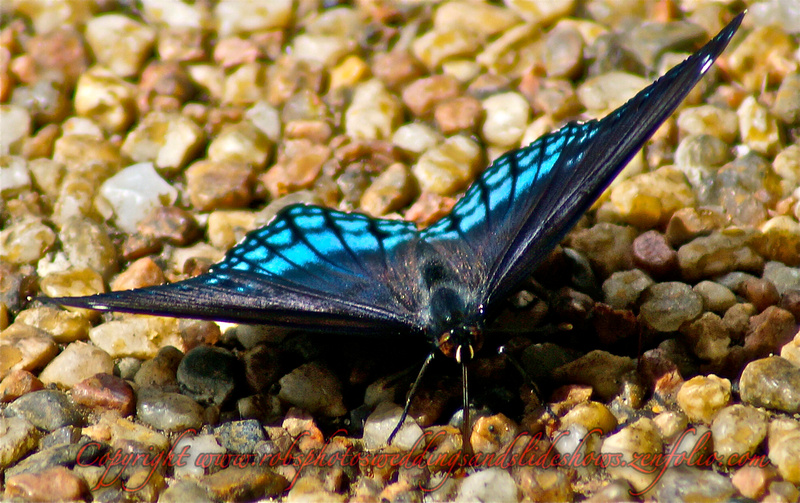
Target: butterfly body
{"x":321,"y":269}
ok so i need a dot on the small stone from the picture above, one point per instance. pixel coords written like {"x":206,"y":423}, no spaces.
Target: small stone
{"x":539,"y":484}
{"x":167,"y":140}
{"x":649,"y":199}
{"x":752,"y":481}
{"x":374,"y":113}
{"x":485,"y":19}
{"x":137,"y":336}
{"x":213,"y":185}
{"x":18,"y":439}
{"x":87,"y":244}
{"x":313,"y":388}
{"x":242,"y":142}
{"x":709,"y":119}
{"x":758,"y":128}
{"x":16,"y":384}
{"x":380,"y":424}
{"x":606,"y":246}
{"x":769,"y":331}
{"x":448,"y":167}
{"x":240,"y":437}
{"x":16,"y":176}
{"x":120,"y":43}
{"x":787,"y":104}
{"x":780,"y":240}
{"x":784,"y":278}
{"x":702,"y":397}
{"x":541,"y":12}
{"x":349,"y":72}
{"x":15,"y":127}
{"x":717,"y":254}
{"x":666,"y":306}
{"x":638,"y":439}
{"x":422,"y":96}
{"x":738,"y":431}
{"x":492,"y":433}
{"x":601,"y":370}
{"x":395,"y":68}
{"x":708,"y":337}
{"x":160,"y":372}
{"x":622,"y":289}
{"x":760,"y":292}
{"x":697,"y":156}
{"x":199,"y":449}
{"x":591,"y":416}
{"x":142,"y":273}
{"x":26,"y":241}
{"x":169,"y":412}
{"x":492,"y":484}
{"x":171,"y":224}
{"x":716,"y":297}
{"x":46,"y":409}
{"x":25,"y":348}
{"x":105,"y":391}
{"x":790,"y":352}
{"x":232,"y":17}
{"x":652,"y":253}
{"x":609,"y":91}
{"x":773,"y":383}
{"x":689,"y":223}
{"x":685,"y":483}
{"x":54,"y":484}
{"x":784,"y":448}
{"x":563,"y":51}
{"x":184,"y":490}
{"x":390,"y":191}
{"x":416,"y":137}
{"x":457,"y":115}
{"x":64,"y":326}
{"x":737,"y":319}
{"x":244,"y":484}
{"x":299,"y":164}
{"x":228,"y":227}
{"x":760,"y":51}
{"x":440,"y":44}
{"x":208,"y":374}
{"x":76,"y":362}
{"x":506,"y":119}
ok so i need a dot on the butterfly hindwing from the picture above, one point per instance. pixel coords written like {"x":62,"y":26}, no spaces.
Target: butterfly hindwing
{"x":310,"y":267}
{"x":525,"y":203}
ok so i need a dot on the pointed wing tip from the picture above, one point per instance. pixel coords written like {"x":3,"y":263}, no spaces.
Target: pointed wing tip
{"x":85,"y":302}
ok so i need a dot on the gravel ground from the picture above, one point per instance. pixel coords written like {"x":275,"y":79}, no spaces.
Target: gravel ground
{"x":140,"y":140}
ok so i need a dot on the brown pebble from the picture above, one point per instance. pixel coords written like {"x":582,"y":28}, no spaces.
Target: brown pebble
{"x":53,"y":484}
{"x":105,"y":392}
{"x":174,"y":225}
{"x":262,"y":367}
{"x":17,"y":383}
{"x":458,"y":114}
{"x":137,"y":246}
{"x":423,"y":95}
{"x":299,"y":164}
{"x":653,"y":254}
{"x":790,"y":300}
{"x":234,"y":51}
{"x":769,"y":331}
{"x":395,"y":68}
{"x":689,"y":223}
{"x":215,"y":185}
{"x":244,"y":484}
{"x":759,"y":292}
{"x":198,"y":332}
{"x":61,"y":50}
{"x":41,"y":144}
{"x":614,"y":325}
{"x":142,"y":273}
{"x":492,"y":433}
{"x":429,"y":208}
{"x":662,"y":375}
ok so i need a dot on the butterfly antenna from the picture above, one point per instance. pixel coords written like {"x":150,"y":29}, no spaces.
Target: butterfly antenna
{"x":410,"y":396}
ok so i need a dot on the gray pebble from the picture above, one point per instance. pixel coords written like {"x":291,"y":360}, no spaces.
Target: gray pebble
{"x":46,"y":409}
{"x":240,"y":437}
{"x":208,"y":374}
{"x":168,"y":411}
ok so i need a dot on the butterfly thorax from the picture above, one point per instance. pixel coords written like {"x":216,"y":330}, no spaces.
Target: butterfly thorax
{"x":458,"y":332}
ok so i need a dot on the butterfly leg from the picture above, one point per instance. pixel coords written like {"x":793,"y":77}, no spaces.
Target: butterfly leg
{"x":410,"y":396}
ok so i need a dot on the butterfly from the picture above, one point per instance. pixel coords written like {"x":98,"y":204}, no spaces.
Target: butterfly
{"x":321,"y":269}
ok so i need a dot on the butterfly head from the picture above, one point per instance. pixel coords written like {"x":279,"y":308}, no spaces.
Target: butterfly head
{"x":459,"y":331}
{"x":461,"y":343}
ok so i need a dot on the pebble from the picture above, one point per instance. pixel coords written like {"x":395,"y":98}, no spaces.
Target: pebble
{"x":242,"y":142}
{"x":208,"y":374}
{"x":46,"y":409}
{"x":759,"y":129}
{"x":213,"y":185}
{"x":654,"y":255}
{"x":120,"y":43}
{"x":174,"y":225}
{"x":771,"y":382}
{"x":26,"y":241}
{"x":107,"y":99}
{"x":590,"y":415}
{"x":787,"y":105}
{"x":18,"y":383}
{"x":299,"y":165}
{"x":506,"y":119}
{"x":666,"y":306}
{"x":709,"y":119}
{"x":539,"y":484}
{"x":601,"y":370}
{"x":232,"y":17}
{"x":137,"y":336}
{"x":15,"y":128}
{"x":422,"y":96}
{"x":416,"y":137}
{"x":184,"y":490}
{"x":689,"y":223}
{"x":374,"y":112}
{"x":492,"y":433}
{"x":19,"y":437}
{"x":244,"y":484}
{"x":448,"y":167}
{"x":441,"y":44}
{"x":390,"y":191}
{"x":225,"y":228}
{"x":63,"y":326}
{"x":760,"y":292}
{"x":380,"y":424}
{"x":608,"y":91}
{"x":784,"y":448}
{"x":87,"y":244}
{"x":752,"y":481}
{"x":784,"y":278}
{"x":16,"y":176}
{"x":167,"y":140}
{"x":54,"y":484}
{"x":396,"y":68}
{"x":606,"y":246}
{"x":693,"y":484}
{"x":649,"y":199}
{"x":738,"y":431}
{"x":707,"y":337}
{"x":717,"y":254}
{"x":25,"y":348}
{"x":716,"y":297}
{"x":485,"y":19}
{"x":737,"y":319}
{"x":789,"y":352}
{"x":622,"y":289}
{"x":171,"y":412}
{"x":769,"y":331}
{"x":160,"y":371}
{"x":696,"y":157}
{"x":780,"y":240}
{"x":563,"y":51}
{"x":240,"y":437}
{"x":702,"y":397}
{"x":640,"y":438}
{"x":78,"y":361}
{"x":492,"y":484}
{"x":200,"y":450}
{"x":459,"y":115}
{"x":314,"y":388}
{"x":105,"y":391}
{"x":142,"y":273}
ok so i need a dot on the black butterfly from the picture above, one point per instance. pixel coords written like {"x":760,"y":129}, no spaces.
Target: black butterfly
{"x":316,"y":268}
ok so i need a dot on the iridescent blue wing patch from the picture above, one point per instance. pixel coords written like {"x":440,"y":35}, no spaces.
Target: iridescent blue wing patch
{"x":311,"y":267}
{"x":525,"y":203}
